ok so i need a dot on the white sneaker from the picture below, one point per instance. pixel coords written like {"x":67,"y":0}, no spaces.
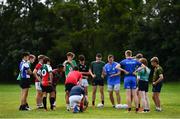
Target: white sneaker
{"x":100,"y":105}
{"x":68,"y":108}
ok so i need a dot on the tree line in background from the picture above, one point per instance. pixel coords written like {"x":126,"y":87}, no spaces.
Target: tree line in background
{"x":151,"y":27}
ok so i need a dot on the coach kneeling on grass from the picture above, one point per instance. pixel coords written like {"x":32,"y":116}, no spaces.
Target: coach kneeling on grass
{"x":77,"y":100}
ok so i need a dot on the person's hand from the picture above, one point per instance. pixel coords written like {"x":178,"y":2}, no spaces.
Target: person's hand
{"x":112,"y":75}
{"x":134,"y":73}
{"x":49,"y":82}
{"x":102,"y":76}
{"x":93,"y":75}
{"x":154,"y":83}
{"x":126,"y":72}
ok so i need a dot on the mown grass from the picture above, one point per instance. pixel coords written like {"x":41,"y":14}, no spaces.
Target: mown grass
{"x":9,"y":103}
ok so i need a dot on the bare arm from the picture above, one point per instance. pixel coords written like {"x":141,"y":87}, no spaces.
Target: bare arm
{"x":161,"y":77}
{"x":35,"y":74}
{"x":121,"y":69}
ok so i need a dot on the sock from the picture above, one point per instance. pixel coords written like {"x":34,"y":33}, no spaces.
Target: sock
{"x":103,"y":102}
{"x":45,"y":102}
{"x":139,"y":105}
{"x":93,"y":103}
{"x":20,"y":108}
{"x":27,"y":105}
{"x":129,"y":109}
{"x":137,"y":109}
{"x":52,"y":99}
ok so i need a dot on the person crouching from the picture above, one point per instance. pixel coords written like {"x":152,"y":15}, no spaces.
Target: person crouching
{"x":78,"y":102}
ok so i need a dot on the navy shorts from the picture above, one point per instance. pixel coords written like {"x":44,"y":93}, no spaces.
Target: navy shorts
{"x":157,"y":87}
{"x":130,"y":82}
{"x":47,"y":89}
{"x":68,"y":87}
{"x":98,"y":82}
{"x":143,"y":85}
{"x":24,"y":83}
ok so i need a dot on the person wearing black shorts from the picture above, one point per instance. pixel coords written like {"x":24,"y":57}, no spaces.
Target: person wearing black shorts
{"x":96,"y":71}
{"x":24,"y":80}
{"x":73,"y":78}
{"x":46,"y":83}
{"x":143,"y":79}
{"x":157,"y":82}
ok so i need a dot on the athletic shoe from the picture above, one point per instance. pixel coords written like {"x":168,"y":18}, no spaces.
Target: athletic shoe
{"x":76,"y":109}
{"x":68,"y":108}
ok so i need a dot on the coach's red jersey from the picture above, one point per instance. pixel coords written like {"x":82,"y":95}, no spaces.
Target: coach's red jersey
{"x":73,"y":77}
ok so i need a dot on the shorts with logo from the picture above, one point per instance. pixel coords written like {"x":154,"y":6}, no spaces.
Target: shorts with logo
{"x":38,"y":86}
{"x":115,"y":87}
{"x":130,"y":82}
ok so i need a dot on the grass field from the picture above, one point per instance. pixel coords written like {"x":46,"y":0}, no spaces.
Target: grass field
{"x":9,"y":103}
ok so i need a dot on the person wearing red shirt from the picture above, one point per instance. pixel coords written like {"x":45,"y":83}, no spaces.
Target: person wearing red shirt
{"x":73,"y":78}
{"x":37,"y":75}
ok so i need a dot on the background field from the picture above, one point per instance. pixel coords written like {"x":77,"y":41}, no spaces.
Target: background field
{"x":9,"y":103}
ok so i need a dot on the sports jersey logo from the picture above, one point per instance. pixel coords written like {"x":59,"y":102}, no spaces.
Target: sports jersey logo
{"x":44,"y":72}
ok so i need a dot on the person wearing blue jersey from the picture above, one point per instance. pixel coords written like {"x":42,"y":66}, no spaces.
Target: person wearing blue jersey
{"x":113,"y":79}
{"x":131,"y":65}
{"x":24,"y":81}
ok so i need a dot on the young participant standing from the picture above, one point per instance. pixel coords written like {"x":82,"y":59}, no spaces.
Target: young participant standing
{"x":74,"y":77}
{"x":113,"y":79}
{"x":130,"y":65}
{"x":69,"y":64}
{"x":157,"y":82}
{"x":46,"y":83}
{"x":57,"y":74}
{"x":96,"y":71}
{"x":37,"y":75}
{"x":143,"y":78}
{"x":24,"y":81}
{"x":84,"y":69}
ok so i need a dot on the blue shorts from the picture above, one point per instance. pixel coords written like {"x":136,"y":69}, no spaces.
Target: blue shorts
{"x":130,"y":82}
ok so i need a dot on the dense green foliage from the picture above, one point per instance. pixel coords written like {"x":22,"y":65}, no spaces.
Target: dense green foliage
{"x":87,"y":27}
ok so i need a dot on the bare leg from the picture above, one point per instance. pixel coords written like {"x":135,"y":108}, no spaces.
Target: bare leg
{"x":94,"y":95}
{"x":101,"y":88}
{"x":111,"y":97}
{"x":118,"y":97}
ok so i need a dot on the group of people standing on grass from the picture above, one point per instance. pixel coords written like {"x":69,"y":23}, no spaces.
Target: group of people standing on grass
{"x":134,"y":71}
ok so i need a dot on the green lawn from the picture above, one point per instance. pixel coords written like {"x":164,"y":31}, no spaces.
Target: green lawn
{"x":9,"y":103}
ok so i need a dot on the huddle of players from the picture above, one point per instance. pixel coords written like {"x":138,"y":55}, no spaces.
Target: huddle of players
{"x":45,"y":82}
{"x":135,"y":72}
